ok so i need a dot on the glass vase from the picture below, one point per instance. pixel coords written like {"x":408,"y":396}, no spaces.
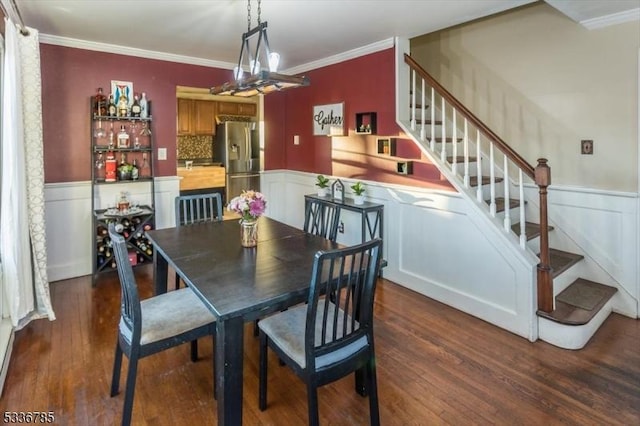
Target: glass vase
{"x":249,"y":232}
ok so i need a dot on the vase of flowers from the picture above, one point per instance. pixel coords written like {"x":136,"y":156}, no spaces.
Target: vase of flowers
{"x":250,"y":205}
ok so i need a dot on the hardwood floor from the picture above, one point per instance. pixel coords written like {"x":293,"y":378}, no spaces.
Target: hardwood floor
{"x":436,"y":365}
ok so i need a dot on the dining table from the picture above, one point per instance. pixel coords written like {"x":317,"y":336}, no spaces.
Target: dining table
{"x":237,"y":284}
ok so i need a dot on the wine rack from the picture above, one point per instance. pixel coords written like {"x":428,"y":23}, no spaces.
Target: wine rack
{"x":132,"y":221}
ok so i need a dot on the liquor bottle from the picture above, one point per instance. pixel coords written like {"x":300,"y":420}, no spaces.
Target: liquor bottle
{"x":123,"y":106}
{"x":110,"y":168}
{"x":144,"y":106}
{"x":135,"y":107}
{"x":135,"y":171}
{"x":145,"y":170}
{"x":100,"y":105}
{"x":112,"y":110}
{"x":123,"y":138}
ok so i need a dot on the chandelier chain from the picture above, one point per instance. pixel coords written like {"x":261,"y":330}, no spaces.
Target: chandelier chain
{"x":248,"y":15}
{"x":259,"y":10}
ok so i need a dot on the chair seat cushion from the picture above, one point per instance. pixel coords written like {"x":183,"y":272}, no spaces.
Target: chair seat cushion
{"x":170,"y":314}
{"x":287,"y":330}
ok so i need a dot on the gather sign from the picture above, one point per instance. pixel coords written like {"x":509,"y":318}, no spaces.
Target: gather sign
{"x":328,"y":120}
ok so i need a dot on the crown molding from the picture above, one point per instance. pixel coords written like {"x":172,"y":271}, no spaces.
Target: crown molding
{"x":341,"y":57}
{"x":131,"y":51}
{"x":613,"y":19}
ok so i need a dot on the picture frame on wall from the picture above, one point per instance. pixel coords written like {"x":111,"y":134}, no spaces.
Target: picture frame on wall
{"x":119,"y":88}
{"x":328,"y":120}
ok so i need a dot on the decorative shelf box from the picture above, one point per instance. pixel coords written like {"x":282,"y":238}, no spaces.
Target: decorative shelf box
{"x":366,"y":123}
{"x":405,"y":167}
{"x":387,"y":146}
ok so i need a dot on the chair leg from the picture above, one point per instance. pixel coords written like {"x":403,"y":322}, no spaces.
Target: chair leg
{"x":117,"y":365}
{"x":312,"y":396}
{"x":372,"y":385}
{"x":194,"y":350}
{"x":262,"y":393}
{"x":130,"y":389}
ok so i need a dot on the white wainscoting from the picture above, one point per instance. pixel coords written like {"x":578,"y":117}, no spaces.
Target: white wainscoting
{"x":436,"y":246}
{"x":69,"y":220}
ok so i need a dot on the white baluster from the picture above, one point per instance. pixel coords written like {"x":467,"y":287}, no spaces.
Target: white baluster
{"x":443,"y":151}
{"x":478,"y":168}
{"x":523,"y":220}
{"x":454,"y":164}
{"x":422,"y":115}
{"x":432,"y":105}
{"x":413,"y":100}
{"x":466,"y":154}
{"x":507,"y":203}
{"x":492,"y":183}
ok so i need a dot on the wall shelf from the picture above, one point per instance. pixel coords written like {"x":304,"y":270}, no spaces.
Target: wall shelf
{"x":404,"y":167}
{"x":386,"y":146}
{"x":366,"y":123}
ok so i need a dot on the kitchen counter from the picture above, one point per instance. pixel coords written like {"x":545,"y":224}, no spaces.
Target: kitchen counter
{"x":202,"y":176}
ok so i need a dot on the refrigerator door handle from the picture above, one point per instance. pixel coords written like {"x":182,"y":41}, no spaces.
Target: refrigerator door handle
{"x":242,"y":176}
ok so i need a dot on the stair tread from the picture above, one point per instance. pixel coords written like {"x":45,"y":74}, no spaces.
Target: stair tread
{"x":580,"y":302}
{"x":473,"y":180}
{"x":460,"y":159}
{"x":562,"y":260}
{"x":500,"y":203}
{"x":532,"y":230}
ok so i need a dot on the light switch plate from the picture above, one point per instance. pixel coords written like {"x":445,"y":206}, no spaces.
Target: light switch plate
{"x":162,"y":153}
{"x":296,"y":139}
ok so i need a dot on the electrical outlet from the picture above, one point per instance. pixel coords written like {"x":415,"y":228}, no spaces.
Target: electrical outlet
{"x":341,"y":227}
{"x":586,"y":147}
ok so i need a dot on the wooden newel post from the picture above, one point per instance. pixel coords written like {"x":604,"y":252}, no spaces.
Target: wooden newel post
{"x":545,"y":281}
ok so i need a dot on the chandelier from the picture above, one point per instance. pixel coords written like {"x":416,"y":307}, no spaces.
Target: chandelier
{"x":257,"y":80}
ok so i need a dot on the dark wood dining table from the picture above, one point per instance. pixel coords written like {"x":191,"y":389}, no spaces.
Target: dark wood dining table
{"x":237,"y":284}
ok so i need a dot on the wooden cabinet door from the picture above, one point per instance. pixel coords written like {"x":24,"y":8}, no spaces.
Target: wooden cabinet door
{"x":228,"y":108}
{"x":185,"y":116}
{"x":247,"y":109}
{"x":205,"y":113}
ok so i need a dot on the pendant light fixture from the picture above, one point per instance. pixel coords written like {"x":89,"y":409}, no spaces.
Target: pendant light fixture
{"x":255,"y":80}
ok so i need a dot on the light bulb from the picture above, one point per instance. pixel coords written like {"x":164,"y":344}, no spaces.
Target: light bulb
{"x":274,"y":61}
{"x":237,"y":73}
{"x":255,"y":66}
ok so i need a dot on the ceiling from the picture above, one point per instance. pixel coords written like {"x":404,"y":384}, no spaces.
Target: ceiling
{"x":304,"y":32}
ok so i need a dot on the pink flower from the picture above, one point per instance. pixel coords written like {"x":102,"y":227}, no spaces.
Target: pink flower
{"x":250,"y":204}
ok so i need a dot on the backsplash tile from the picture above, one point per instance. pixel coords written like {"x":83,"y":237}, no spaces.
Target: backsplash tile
{"x":192,"y":147}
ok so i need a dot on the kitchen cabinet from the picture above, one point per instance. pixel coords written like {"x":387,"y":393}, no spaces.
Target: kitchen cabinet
{"x":201,"y":177}
{"x":185,"y":116}
{"x":196,"y":117}
{"x":237,"y":108}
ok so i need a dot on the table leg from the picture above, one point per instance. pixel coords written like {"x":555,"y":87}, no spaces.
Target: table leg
{"x":160,"y":272}
{"x":229,"y":365}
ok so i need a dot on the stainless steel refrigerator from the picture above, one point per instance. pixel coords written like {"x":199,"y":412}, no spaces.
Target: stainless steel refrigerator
{"x":237,"y":147}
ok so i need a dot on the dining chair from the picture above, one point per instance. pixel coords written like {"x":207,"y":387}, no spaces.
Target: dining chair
{"x":197,"y":208}
{"x":152,"y":325}
{"x":321,"y":219}
{"x":328,"y":338}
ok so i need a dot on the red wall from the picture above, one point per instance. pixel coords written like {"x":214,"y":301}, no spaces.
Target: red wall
{"x":70,"y":76}
{"x":364,"y":84}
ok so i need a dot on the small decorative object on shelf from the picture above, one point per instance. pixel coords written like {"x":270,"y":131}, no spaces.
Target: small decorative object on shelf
{"x":405,"y":167}
{"x":366,"y":123}
{"x":323,"y":185}
{"x":250,"y":205}
{"x":337,"y":190}
{"x":387,"y":146}
{"x":123,"y":203}
{"x":358,"y":191}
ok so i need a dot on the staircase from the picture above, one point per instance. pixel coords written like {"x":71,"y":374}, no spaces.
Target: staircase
{"x":502,"y":185}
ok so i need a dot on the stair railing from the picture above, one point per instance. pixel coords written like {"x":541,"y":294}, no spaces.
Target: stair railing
{"x":476,"y":132}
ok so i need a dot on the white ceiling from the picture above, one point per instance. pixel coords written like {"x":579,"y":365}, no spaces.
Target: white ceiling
{"x":302,"y":31}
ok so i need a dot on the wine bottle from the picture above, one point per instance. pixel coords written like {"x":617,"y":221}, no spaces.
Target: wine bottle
{"x":100,"y":105}
{"x":135,"y":107}
{"x":112,"y":110}
{"x":144,"y":106}
{"x":102,"y":231}
{"x":135,"y":171}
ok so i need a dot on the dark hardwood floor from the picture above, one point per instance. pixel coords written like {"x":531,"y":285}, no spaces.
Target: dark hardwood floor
{"x":436,"y":365}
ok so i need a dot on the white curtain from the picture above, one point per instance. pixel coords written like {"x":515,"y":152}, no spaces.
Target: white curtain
{"x":22,"y":226}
